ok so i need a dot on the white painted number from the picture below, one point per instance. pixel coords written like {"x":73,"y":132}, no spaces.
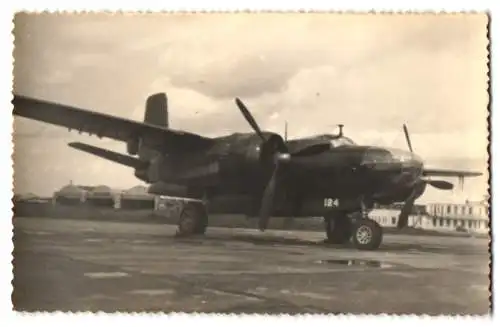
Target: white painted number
{"x":330,"y":203}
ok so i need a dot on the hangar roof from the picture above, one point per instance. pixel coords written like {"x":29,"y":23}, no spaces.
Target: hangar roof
{"x":137,"y":192}
{"x":70,"y":190}
{"x":101,"y":191}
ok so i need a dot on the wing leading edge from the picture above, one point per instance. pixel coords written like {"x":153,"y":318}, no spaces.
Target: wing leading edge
{"x":450,"y":173}
{"x":162,"y":139}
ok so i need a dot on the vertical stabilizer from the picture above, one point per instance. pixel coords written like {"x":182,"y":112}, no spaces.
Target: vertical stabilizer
{"x":156,"y":113}
{"x":157,"y":110}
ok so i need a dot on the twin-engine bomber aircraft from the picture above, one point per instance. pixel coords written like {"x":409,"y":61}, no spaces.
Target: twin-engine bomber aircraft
{"x":256,"y":173}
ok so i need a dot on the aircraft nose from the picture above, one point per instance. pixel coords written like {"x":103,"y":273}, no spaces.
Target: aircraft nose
{"x":376,"y":158}
{"x":391,"y":159}
{"x":407,"y":159}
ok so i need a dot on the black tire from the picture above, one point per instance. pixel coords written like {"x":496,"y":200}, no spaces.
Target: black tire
{"x":367,"y":235}
{"x":193,"y":220}
{"x":338,"y":228}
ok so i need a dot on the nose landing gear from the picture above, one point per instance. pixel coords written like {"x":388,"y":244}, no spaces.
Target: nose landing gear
{"x":367,"y":234}
{"x":341,"y":227}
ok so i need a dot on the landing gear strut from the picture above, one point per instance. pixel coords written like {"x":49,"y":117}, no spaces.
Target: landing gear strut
{"x":338,"y":227}
{"x":366,"y":234}
{"x":193,"y":219}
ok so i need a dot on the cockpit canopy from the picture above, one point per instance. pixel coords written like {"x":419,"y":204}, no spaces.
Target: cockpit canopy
{"x":342,"y":141}
{"x":336,"y":140}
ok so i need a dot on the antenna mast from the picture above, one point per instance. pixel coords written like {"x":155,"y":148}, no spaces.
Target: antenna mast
{"x":341,"y":126}
{"x":286,"y":131}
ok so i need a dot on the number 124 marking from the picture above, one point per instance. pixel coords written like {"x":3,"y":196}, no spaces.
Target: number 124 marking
{"x":330,"y":203}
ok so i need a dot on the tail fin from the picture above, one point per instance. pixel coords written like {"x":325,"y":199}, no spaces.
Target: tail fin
{"x":157,"y":110}
{"x":156,"y":114}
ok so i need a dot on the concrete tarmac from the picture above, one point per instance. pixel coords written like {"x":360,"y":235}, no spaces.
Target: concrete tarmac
{"x":75,"y":265}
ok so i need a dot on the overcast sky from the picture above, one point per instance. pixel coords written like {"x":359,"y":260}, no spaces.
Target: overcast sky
{"x":371,"y":72}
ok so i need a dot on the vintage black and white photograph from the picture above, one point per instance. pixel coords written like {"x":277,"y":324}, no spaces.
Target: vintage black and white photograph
{"x":251,"y":163}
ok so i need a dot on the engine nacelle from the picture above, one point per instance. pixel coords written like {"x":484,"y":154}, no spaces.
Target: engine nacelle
{"x":142,"y":175}
{"x":133,"y":146}
{"x":252,"y":150}
{"x":401,"y":196}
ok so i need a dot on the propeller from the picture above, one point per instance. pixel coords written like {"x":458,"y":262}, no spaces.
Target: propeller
{"x":268,"y":200}
{"x":248,"y":116}
{"x":409,"y":203}
{"x":439,"y":184}
{"x":442,"y":185}
{"x":279,"y":154}
{"x":418,"y":188}
{"x":286,"y":131}
{"x":407,"y":135}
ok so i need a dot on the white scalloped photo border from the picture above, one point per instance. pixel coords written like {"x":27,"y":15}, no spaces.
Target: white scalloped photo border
{"x":125,"y":319}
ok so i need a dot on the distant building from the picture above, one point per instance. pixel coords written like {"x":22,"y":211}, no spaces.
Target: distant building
{"x":137,"y":198}
{"x":472,"y":217}
{"x":103,"y":196}
{"x":388,"y":216}
{"x":24,"y":197}
{"x":69,"y":195}
{"x":466,"y":217}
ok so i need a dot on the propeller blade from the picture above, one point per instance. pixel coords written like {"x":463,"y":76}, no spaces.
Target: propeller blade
{"x":409,"y":203}
{"x":286,"y":131}
{"x":267,"y":141}
{"x":442,"y":185}
{"x":405,"y":212}
{"x":248,"y":116}
{"x":268,"y":200}
{"x":407,"y":135}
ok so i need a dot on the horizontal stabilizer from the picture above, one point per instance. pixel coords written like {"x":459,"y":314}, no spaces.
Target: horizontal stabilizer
{"x":110,"y":155}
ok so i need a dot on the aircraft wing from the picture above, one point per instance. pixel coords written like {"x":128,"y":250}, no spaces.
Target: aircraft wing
{"x":450,"y":173}
{"x":162,"y":139}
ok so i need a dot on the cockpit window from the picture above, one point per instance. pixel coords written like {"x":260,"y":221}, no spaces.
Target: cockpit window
{"x":335,"y":140}
{"x":341,"y":141}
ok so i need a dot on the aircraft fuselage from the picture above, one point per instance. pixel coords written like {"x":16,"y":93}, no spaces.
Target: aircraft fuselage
{"x":229,"y":170}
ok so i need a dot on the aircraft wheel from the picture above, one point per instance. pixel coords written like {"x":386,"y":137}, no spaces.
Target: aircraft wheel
{"x":367,"y":235}
{"x":193,"y":220}
{"x":338,"y":228}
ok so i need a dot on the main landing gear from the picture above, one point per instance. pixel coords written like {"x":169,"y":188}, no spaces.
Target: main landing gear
{"x":340,"y":228}
{"x":193,"y":219}
{"x":365,"y":233}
